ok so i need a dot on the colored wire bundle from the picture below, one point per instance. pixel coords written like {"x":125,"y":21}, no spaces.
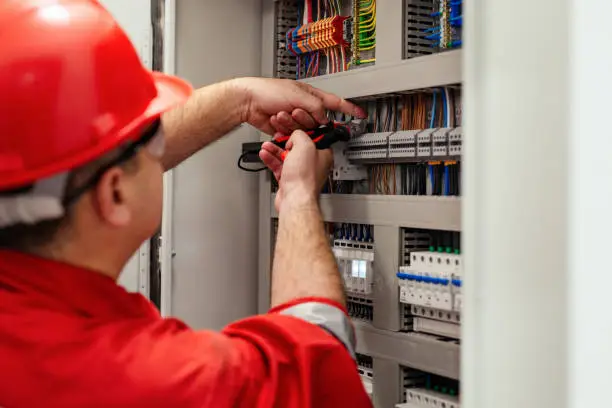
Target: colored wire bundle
{"x":447,"y":34}
{"x":433,"y":240}
{"x":320,"y":42}
{"x":354,"y":232}
{"x":364,"y":31}
{"x":435,"y":108}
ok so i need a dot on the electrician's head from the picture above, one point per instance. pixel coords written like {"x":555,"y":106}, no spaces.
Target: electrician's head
{"x":80,"y":136}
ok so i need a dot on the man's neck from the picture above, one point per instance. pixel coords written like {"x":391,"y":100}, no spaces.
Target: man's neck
{"x":98,"y":259}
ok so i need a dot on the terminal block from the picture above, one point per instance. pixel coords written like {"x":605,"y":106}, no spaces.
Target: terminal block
{"x":365,"y":368}
{"x":368,"y":146}
{"x":403,"y":144}
{"x":425,"y":398}
{"x":440,"y":142}
{"x":455,"y":141}
{"x":360,"y":307}
{"x":437,"y":322}
{"x":413,"y":145}
{"x":424,"y":143}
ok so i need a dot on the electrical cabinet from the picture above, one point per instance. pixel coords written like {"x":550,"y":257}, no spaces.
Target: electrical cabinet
{"x":531,"y":215}
{"x":394,"y":216}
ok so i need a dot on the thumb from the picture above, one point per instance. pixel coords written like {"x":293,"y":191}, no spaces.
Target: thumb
{"x":298,"y":138}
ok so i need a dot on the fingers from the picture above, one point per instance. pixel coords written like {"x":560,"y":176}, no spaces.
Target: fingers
{"x":327,"y":157}
{"x":303,"y":118}
{"x":307,"y":100}
{"x":284,"y":123}
{"x":298,"y":138}
{"x":280,"y":129}
{"x":272,"y":161}
{"x":272,"y":149}
{"x":337,"y":104}
{"x":287,"y":121}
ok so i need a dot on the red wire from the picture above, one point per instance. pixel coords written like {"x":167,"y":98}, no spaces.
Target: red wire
{"x":309,"y":12}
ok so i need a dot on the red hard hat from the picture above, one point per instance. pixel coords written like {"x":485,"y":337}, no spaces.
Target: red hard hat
{"x":72,"y":88}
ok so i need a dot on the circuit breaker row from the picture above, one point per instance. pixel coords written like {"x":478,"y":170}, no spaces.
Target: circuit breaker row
{"x":355,"y":261}
{"x":433,"y":280}
{"x":424,"y":144}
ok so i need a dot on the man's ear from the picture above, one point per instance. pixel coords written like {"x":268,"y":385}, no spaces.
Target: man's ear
{"x":111,"y":198}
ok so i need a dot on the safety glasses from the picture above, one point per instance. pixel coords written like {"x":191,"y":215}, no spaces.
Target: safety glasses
{"x":152,"y":140}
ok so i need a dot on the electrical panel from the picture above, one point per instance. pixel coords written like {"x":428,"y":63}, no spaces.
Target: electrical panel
{"x":392,"y":203}
{"x":366,"y":372}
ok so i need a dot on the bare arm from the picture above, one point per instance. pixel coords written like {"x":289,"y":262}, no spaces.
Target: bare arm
{"x":270,"y":105}
{"x":304,"y":265}
{"x":210,"y":113}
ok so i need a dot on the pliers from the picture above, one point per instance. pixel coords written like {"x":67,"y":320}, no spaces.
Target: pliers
{"x":325,"y":136}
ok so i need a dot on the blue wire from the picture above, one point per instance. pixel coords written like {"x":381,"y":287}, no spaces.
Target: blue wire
{"x":446,"y":180}
{"x":431,"y":178}
{"x":444,"y":107}
{"x":433,"y":111}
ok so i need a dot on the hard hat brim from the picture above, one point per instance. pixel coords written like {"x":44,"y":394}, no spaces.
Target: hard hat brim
{"x":171,"y":93}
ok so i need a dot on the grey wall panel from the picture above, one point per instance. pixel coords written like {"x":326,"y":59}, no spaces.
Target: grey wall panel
{"x":386,"y":287}
{"x":422,"y":72}
{"x":216,"y":205}
{"x":389,"y":38}
{"x":387,"y":384}
{"x":516,"y":237}
{"x":428,"y":212}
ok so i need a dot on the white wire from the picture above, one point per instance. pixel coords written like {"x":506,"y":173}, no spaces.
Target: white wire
{"x":448,"y":107}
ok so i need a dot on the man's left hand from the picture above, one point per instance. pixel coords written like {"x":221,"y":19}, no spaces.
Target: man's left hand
{"x":280,"y":106}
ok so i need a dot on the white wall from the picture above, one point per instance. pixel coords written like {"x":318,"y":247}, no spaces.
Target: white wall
{"x":214,"y":278}
{"x":515,"y":325}
{"x":590,"y":277}
{"x":135,"y":17}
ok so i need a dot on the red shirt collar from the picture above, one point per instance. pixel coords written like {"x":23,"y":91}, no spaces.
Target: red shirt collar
{"x":66,"y":288}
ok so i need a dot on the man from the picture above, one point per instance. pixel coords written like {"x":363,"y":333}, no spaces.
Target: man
{"x":81,"y":159}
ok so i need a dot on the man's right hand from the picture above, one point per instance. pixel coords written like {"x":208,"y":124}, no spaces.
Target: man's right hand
{"x":303,"y":173}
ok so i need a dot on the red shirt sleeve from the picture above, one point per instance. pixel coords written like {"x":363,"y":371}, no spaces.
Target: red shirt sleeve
{"x":268,"y":361}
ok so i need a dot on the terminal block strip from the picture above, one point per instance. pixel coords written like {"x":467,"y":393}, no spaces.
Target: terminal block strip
{"x":406,"y":146}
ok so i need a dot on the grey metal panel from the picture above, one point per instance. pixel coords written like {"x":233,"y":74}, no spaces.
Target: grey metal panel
{"x":437,"y":327}
{"x":416,"y":73}
{"x":385,"y":289}
{"x":414,"y":350}
{"x":267,"y":38}
{"x":438,"y":213}
{"x":265,"y":234}
{"x":389,"y":31}
{"x":265,"y":244}
{"x":387,"y":383}
{"x":215,"y":215}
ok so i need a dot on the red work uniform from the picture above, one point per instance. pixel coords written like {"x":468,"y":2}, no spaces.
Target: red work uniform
{"x":73,"y":338}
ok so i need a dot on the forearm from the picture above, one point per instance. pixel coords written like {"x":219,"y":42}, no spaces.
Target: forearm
{"x":304,"y":265}
{"x":210,"y":113}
